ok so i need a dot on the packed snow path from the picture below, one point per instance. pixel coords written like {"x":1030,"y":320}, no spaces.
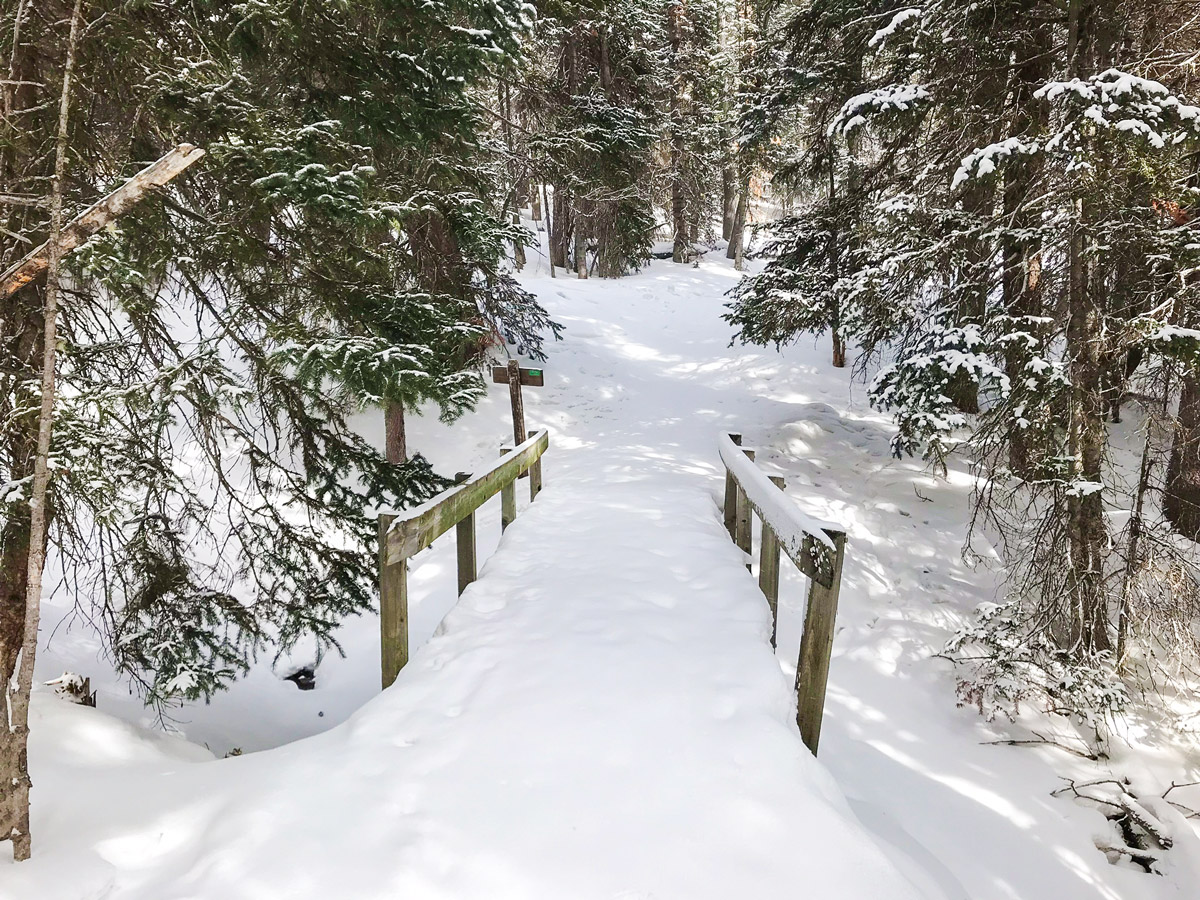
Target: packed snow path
{"x":589,"y":740}
{"x":602,"y":716}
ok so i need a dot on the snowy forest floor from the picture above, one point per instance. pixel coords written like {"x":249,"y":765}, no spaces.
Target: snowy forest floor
{"x":672,"y":773}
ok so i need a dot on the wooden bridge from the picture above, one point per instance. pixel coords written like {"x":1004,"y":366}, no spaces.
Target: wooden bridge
{"x":785,"y":531}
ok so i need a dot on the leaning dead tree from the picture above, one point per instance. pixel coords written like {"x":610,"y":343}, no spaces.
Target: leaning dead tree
{"x":44,"y":262}
{"x":108,"y":209}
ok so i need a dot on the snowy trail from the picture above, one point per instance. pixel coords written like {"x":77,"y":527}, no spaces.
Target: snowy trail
{"x":600,"y":715}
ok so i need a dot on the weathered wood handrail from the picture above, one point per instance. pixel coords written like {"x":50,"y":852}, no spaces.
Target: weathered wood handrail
{"x":401,"y":535}
{"x":816,"y":551}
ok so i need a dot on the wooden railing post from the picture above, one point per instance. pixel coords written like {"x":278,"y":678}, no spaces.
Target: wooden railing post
{"x":464,"y":533}
{"x":393,"y":609}
{"x":402,"y":537}
{"x":744,"y":533}
{"x":535,"y":478}
{"x":730,"y":508}
{"x":518,"y":416}
{"x":816,"y":646}
{"x":508,"y":499}
{"x":768,"y":568}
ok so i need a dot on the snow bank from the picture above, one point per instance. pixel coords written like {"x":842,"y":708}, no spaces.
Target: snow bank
{"x":601,"y":716}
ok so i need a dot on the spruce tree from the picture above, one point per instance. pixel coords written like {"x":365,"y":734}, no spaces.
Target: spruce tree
{"x":1017,"y":250}
{"x":592,"y":103}
{"x":336,"y":250}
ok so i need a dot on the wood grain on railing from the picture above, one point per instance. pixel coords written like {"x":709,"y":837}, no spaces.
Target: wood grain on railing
{"x":403,"y":534}
{"x":816,"y":550}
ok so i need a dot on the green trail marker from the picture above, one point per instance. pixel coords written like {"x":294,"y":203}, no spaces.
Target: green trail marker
{"x":515,"y":376}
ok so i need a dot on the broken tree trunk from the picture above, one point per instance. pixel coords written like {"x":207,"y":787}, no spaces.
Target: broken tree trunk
{"x":35,"y":263}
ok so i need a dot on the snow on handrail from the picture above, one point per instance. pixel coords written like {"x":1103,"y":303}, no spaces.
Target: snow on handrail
{"x":817,"y":550}
{"x":416,"y":528}
{"x":789,"y":522}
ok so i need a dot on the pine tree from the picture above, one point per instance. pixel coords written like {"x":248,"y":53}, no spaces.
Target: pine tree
{"x":693,"y":135}
{"x":592,"y":103}
{"x":1004,"y":164}
{"x":337,"y":249}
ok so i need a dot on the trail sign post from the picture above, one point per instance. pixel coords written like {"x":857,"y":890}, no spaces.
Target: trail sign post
{"x":514,"y":376}
{"x":528,"y":377}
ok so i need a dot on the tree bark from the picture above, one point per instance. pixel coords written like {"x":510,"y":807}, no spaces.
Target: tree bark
{"x":580,"y":250}
{"x":835,"y":311}
{"x":518,"y":246}
{"x":974,"y":282}
{"x":518,"y":179}
{"x":1021,"y":284}
{"x":737,"y":247}
{"x":680,"y":251}
{"x":395,"y":437}
{"x":1181,"y":495}
{"x":39,"y":492}
{"x":549,"y":226}
{"x":1089,"y":627}
{"x":728,"y":201}
{"x":560,"y":228}
{"x":1133,"y":548}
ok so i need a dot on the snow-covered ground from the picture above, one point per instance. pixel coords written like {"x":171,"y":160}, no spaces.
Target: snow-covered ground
{"x":600,"y":715}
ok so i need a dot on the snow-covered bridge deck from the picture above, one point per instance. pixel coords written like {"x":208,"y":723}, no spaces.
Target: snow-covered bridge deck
{"x":601,"y":715}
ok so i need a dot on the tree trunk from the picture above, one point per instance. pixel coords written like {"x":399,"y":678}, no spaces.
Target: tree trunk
{"x":839,"y":351}
{"x":728,"y":201}
{"x":518,"y":246}
{"x":1181,"y":495}
{"x":974,"y":281}
{"x":395,"y":438}
{"x":680,"y":251}
{"x":1089,"y":627}
{"x":560,"y":228}
{"x":519,"y":185}
{"x":14,"y":583}
{"x":21,"y":345}
{"x":737,"y":248}
{"x":579,"y":253}
{"x":549,"y":231}
{"x":1085,"y":510}
{"x":1133,"y":548}
{"x":17,"y":740}
{"x":835,"y":311}
{"x":1022,"y":276}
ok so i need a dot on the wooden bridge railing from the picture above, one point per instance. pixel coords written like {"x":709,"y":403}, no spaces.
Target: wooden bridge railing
{"x":817,"y":551}
{"x":403,"y":535}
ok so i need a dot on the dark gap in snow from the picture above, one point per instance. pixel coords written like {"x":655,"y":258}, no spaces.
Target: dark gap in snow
{"x":304,"y":677}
